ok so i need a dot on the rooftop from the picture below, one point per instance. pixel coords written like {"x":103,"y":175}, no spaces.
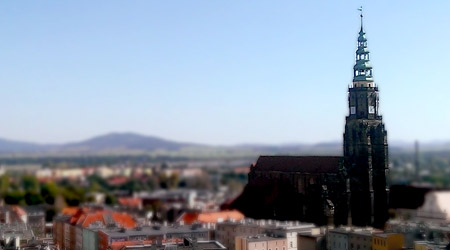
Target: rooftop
{"x":384,"y":235}
{"x":211,"y":217}
{"x":154,"y":230}
{"x":303,"y":164}
{"x":259,"y":238}
{"x":187,"y":244}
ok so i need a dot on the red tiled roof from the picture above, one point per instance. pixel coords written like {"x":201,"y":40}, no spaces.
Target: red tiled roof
{"x":124,"y":220}
{"x":211,"y":217}
{"x":78,"y":214}
{"x":119,"y":180}
{"x":69,"y":210}
{"x":303,"y":164}
{"x":130,"y":201}
{"x":188,"y":218}
{"x":88,"y":219}
{"x":85,"y":217}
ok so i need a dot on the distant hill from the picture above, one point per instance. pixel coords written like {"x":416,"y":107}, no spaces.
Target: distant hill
{"x":9,"y":146}
{"x":123,"y":142}
{"x":109,"y":143}
{"x":131,"y":143}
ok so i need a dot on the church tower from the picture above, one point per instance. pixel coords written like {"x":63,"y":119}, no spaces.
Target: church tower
{"x":365,"y":145}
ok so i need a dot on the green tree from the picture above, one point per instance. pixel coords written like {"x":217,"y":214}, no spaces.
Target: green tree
{"x":132,"y":185}
{"x":73,"y":195}
{"x":173,"y":181}
{"x":4,"y":184}
{"x":33,"y":198}
{"x":110,"y":199}
{"x":97,"y":183}
{"x":50,"y":213}
{"x":49,"y":191}
{"x":14,"y":197}
{"x":30,"y":183}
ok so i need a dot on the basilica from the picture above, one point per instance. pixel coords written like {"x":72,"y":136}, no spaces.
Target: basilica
{"x":348,"y":190}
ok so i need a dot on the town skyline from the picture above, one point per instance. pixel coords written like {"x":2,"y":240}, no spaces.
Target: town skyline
{"x":258,"y":73}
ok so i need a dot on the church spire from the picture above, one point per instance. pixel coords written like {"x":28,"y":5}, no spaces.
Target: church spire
{"x":362,"y":71}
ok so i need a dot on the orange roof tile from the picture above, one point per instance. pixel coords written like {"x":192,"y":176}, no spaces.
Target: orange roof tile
{"x":85,"y":217}
{"x":211,"y":217}
{"x":130,"y":201}
{"x":214,"y":217}
{"x":189,"y":218}
{"x":125,"y":220}
{"x":69,"y":210}
{"x":91,"y":218}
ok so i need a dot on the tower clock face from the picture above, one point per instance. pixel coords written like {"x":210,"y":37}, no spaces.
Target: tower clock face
{"x":371,"y":110}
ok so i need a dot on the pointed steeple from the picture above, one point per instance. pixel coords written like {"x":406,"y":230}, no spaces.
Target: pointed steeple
{"x":362,"y":71}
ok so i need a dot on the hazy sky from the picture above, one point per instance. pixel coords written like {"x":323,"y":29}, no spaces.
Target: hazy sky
{"x":219,"y":72}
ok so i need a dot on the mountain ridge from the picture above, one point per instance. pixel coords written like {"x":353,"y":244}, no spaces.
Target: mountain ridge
{"x":129,"y":142}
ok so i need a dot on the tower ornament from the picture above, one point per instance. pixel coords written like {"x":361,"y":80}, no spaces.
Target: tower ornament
{"x":360,"y":9}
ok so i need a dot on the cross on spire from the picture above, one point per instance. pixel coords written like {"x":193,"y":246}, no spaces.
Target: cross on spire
{"x":361,"y":15}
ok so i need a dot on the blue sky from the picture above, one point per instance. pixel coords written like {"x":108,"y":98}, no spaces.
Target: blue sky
{"x":218,"y":72}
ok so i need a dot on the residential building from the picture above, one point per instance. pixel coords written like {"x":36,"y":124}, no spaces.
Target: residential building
{"x":360,"y":239}
{"x":36,"y":220}
{"x":387,"y":241}
{"x":414,"y":230}
{"x":260,"y":242}
{"x":338,"y":238}
{"x":288,"y":230}
{"x":167,"y":234}
{"x":226,"y":232}
{"x":69,"y":230}
{"x":313,"y":240}
{"x":90,"y":238}
{"x":15,"y":235}
{"x":429,"y":245}
{"x":186,"y":244}
{"x":13,"y":214}
{"x":59,"y":227}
